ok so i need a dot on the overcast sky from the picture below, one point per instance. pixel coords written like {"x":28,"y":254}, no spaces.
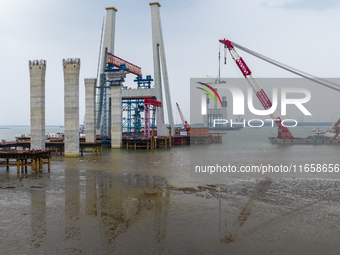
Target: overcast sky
{"x":302,"y":33}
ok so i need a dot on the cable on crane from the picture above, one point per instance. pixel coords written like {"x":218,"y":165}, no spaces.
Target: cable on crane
{"x":308,"y":76}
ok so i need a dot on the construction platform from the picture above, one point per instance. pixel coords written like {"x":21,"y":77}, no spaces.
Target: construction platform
{"x":15,"y":145}
{"x":196,"y":136}
{"x":56,"y":146}
{"x":181,"y":140}
{"x":24,"y":158}
{"x":201,"y":135}
{"x":153,"y":142}
{"x":166,"y":142}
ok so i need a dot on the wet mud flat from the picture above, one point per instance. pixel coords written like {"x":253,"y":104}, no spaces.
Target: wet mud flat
{"x":79,"y":210}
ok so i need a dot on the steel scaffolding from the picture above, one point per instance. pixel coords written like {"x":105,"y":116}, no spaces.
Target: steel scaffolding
{"x":134,"y":115}
{"x":143,"y":83}
{"x":133,"y":109}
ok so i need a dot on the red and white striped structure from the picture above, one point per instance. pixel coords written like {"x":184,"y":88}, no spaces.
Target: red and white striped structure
{"x":283,"y":132}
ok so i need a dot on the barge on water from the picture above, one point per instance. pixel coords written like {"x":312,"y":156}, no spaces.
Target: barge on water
{"x":319,"y":137}
{"x":235,"y":128}
{"x":308,"y":140}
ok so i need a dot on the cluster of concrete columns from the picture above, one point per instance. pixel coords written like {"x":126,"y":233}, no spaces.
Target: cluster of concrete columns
{"x":71,"y":68}
{"x":160,"y":71}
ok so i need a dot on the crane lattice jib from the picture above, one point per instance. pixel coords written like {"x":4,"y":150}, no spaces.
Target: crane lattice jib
{"x":116,"y":61}
{"x":283,"y":132}
{"x":184,"y":122}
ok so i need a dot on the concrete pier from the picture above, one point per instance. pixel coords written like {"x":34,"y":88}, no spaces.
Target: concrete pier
{"x":71,"y":67}
{"x":159,"y":61}
{"x":90,"y":97}
{"x":115,"y":80}
{"x":37,"y":70}
{"x":116,"y":117}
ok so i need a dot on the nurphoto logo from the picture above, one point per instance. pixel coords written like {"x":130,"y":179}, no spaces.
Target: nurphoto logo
{"x":269,"y":106}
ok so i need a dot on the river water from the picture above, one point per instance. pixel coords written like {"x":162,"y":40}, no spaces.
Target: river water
{"x":152,"y":202}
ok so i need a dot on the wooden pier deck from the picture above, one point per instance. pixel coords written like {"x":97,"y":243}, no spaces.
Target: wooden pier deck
{"x":56,"y":146}
{"x":158,"y":142}
{"x":197,"y":136}
{"x":23,"y":159}
{"x":146,"y":143}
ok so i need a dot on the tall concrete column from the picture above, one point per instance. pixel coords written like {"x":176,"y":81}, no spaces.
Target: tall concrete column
{"x":90,"y":96}
{"x":108,"y":43}
{"x":37,"y":80}
{"x":109,"y":34}
{"x":116,"y":117}
{"x":159,"y":61}
{"x":71,"y":67}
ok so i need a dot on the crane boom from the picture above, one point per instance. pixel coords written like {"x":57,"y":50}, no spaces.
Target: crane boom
{"x":184,"y":122}
{"x":323,"y":82}
{"x":283,"y":132}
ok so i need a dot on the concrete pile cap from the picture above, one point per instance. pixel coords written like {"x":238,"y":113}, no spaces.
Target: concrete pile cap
{"x":71,"y":61}
{"x":111,"y":8}
{"x":37,"y":62}
{"x":155,"y":3}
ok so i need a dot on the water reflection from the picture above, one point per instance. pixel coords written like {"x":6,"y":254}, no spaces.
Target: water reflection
{"x":98,"y":208}
{"x":125,"y":203}
{"x":233,"y":232}
{"x":38,"y":217}
{"x":92,"y":212}
{"x":72,"y":211}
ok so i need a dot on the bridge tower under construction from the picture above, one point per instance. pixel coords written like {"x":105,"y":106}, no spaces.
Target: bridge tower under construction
{"x":119,"y":109}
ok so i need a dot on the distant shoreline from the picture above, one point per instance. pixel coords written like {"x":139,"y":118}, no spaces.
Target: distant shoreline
{"x":268,"y":124}
{"x":10,"y":126}
{"x":193,"y":125}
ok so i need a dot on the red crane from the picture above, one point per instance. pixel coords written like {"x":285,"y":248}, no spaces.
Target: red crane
{"x":184,"y":122}
{"x":336,"y":130}
{"x":82,"y":127}
{"x":283,"y":132}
